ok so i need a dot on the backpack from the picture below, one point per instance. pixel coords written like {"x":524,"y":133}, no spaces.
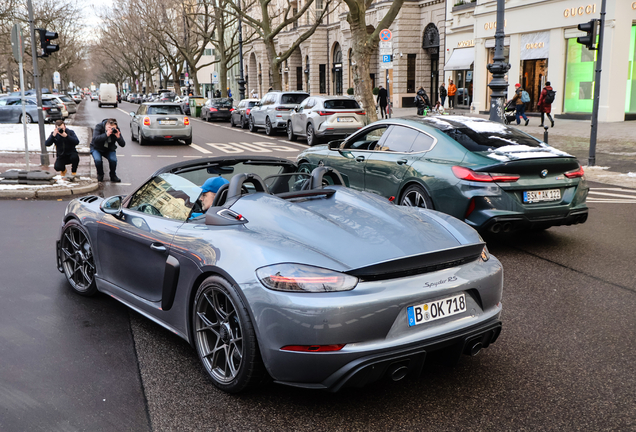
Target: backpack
{"x":549,"y":97}
{"x":525,"y":97}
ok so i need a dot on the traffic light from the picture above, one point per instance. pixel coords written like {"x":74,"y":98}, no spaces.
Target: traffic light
{"x":45,"y":42}
{"x":589,"y":40}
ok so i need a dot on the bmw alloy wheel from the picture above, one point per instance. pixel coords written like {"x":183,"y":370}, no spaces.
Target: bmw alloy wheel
{"x":416,"y":196}
{"x":268,"y":127}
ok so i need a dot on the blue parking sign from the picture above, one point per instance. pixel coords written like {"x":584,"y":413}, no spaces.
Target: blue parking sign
{"x":386,"y":58}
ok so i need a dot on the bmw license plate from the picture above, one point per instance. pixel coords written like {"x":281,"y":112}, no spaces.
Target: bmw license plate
{"x":167,"y":122}
{"x":435,"y":310}
{"x":345,"y":119}
{"x":541,"y":195}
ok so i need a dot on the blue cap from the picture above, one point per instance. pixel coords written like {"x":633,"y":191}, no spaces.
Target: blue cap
{"x":213,"y":184}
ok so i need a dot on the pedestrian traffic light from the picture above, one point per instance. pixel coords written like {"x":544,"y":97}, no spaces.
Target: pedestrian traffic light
{"x":589,"y":40}
{"x":45,"y":42}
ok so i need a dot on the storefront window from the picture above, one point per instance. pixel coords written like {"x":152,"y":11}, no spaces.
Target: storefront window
{"x":579,"y":78}
{"x":491,"y":59}
{"x":630,"y":100}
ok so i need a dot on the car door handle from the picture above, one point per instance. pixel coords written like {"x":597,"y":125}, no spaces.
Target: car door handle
{"x":158,"y":247}
{"x":360,"y":159}
{"x":401,"y":161}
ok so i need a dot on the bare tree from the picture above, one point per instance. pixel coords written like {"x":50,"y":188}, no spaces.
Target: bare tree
{"x":364,"y":45}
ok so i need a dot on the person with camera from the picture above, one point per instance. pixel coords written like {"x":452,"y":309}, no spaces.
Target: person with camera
{"x":65,"y":141}
{"x":106,"y":136}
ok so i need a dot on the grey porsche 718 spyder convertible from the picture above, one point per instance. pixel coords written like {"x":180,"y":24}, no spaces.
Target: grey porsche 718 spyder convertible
{"x":290,"y":276}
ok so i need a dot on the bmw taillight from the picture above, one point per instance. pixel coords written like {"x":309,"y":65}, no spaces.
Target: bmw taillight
{"x":470,"y":175}
{"x":575,"y":173}
{"x":146,"y":121}
{"x":186,"y":121}
{"x":213,"y":109}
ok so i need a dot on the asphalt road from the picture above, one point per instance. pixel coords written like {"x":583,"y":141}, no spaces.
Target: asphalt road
{"x":564,"y":360}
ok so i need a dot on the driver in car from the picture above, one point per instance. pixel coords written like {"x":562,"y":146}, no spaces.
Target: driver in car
{"x":208,"y":192}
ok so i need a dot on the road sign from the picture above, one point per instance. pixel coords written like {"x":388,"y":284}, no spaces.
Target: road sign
{"x":386,"y":35}
{"x":16,"y":42}
{"x":386,"y":48}
{"x":386,"y":61}
{"x":215,"y":77}
{"x":56,"y":77}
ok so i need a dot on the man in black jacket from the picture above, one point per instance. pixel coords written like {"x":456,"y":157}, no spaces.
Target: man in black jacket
{"x":65,"y":141}
{"x":383,"y":100}
{"x":106,"y":136}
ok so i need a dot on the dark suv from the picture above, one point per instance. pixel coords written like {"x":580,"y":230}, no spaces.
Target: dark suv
{"x":272,"y":112}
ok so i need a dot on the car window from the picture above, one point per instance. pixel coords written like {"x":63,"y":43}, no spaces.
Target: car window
{"x":250,"y":104}
{"x":307,"y":103}
{"x":167,"y":195}
{"x":341,"y":104}
{"x":66,"y":99}
{"x":399,"y":139}
{"x":3,"y":102}
{"x":222,"y":103}
{"x":422,"y":143}
{"x":293,"y":98}
{"x":14,"y":102}
{"x":164,"y":110}
{"x":367,"y":140}
{"x":48,"y":102}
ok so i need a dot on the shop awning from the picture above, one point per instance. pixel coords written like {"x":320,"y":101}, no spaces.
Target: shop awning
{"x":460,"y":59}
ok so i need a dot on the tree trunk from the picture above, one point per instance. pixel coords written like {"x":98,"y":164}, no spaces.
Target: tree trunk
{"x":362,"y":52}
{"x":273,"y":64}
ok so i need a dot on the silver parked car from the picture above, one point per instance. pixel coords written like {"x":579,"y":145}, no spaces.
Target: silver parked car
{"x":11,"y":109}
{"x":69,"y":104}
{"x":287,"y":274}
{"x":241,"y":113}
{"x":160,"y":121}
{"x":272,"y":112}
{"x":321,"y":117}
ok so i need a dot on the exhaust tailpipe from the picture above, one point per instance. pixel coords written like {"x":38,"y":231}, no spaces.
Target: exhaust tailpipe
{"x":506,"y":227}
{"x":473,"y":349}
{"x":495,"y":228}
{"x":398,"y":372}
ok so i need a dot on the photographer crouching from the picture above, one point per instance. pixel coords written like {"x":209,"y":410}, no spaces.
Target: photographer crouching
{"x":65,"y":141}
{"x":106,"y":136}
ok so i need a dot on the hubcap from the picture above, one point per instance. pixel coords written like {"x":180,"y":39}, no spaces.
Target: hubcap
{"x":219,"y":334}
{"x":77,"y":259}
{"x":414,"y":199}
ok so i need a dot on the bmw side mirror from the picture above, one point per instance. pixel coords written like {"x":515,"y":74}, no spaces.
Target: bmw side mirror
{"x":112,"y":206}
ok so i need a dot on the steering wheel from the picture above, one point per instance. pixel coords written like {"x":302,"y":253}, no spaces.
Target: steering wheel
{"x":149,"y":209}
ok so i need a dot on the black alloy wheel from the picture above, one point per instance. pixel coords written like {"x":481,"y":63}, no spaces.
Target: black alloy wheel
{"x":78,"y":262}
{"x":311,"y":136}
{"x":232,"y":121}
{"x":269,"y":131}
{"x":224,"y":337}
{"x":244,"y":122}
{"x":416,"y":196}
{"x":251,"y":125}
{"x":290,"y":132}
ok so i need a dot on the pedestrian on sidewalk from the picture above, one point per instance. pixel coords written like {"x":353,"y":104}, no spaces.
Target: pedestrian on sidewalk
{"x":106,"y":136}
{"x":383,"y":100}
{"x":422,"y":101}
{"x":545,"y":103}
{"x":520,"y":105}
{"x":452,"y":91}
{"x":442,"y":93}
{"x":65,"y":142}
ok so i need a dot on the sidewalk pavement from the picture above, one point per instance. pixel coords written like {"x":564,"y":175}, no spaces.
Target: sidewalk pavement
{"x":615,"y":144}
{"x":12,"y":157}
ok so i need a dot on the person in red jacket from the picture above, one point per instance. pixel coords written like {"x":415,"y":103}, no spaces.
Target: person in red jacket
{"x":545,"y":103}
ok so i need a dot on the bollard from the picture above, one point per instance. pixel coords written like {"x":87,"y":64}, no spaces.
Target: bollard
{"x":545,"y":134}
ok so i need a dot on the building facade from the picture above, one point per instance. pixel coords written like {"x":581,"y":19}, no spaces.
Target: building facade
{"x":323,"y":63}
{"x":541,"y":46}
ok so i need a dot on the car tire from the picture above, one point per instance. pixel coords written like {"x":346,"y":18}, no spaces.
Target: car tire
{"x":224,"y":336}
{"x":416,"y":196}
{"x":78,"y":262}
{"x":311,"y":136}
{"x":29,"y":119}
{"x":232,"y":122}
{"x":290,"y":132}
{"x":269,"y":130}
{"x":115,"y":105}
{"x":132,"y":134}
{"x":244,"y":124}
{"x":252,"y":127}
{"x":142,"y":140}
{"x":188,"y":141}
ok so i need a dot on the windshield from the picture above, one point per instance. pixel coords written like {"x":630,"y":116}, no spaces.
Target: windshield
{"x":341,"y":104}
{"x":293,"y":98}
{"x":222,"y":102}
{"x":164,"y":110}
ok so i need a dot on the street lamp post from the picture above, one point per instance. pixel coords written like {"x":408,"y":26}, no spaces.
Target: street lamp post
{"x":498,"y":69}
{"x":241,"y":80}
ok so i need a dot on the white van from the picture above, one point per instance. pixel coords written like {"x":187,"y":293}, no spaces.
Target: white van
{"x":107,"y":94}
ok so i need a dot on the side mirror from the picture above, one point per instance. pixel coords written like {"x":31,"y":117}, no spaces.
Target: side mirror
{"x":297,"y":108}
{"x":257,"y":104}
{"x":335,"y":145}
{"x":112,"y":206}
{"x":132,"y":114}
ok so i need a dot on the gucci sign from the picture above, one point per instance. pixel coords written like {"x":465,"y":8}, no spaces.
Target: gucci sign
{"x":634,"y":5}
{"x":535,"y":45}
{"x":466,"y":43}
{"x":582,"y":10}
{"x":493,"y":25}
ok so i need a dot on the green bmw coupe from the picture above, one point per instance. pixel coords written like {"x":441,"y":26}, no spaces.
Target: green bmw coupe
{"x":493,"y":177}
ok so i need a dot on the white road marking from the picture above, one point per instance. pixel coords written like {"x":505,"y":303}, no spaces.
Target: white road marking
{"x":201,"y":149}
{"x":612,"y":194}
{"x":141,"y":155}
{"x":259,"y":135}
{"x":125,"y":112}
{"x":610,"y":201}
{"x":121,"y":184}
{"x":294,"y":143}
{"x":193,"y":157}
{"x":615,"y":190}
{"x":166,"y":155}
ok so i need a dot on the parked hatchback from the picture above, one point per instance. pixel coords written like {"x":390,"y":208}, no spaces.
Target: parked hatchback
{"x":159,"y":121}
{"x":68,"y":105}
{"x":272,"y":112}
{"x":242,"y":112}
{"x":11,"y":110}
{"x":320,"y":117}
{"x":217,"y":109}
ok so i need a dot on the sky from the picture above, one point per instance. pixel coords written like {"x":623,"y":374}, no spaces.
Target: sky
{"x":90,"y":16}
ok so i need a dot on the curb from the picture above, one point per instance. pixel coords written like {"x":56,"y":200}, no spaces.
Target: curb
{"x":49,"y":193}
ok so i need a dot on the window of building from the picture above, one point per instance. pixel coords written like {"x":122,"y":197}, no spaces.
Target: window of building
{"x":579,"y":78}
{"x":323,"y":78}
{"x":410,"y":73}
